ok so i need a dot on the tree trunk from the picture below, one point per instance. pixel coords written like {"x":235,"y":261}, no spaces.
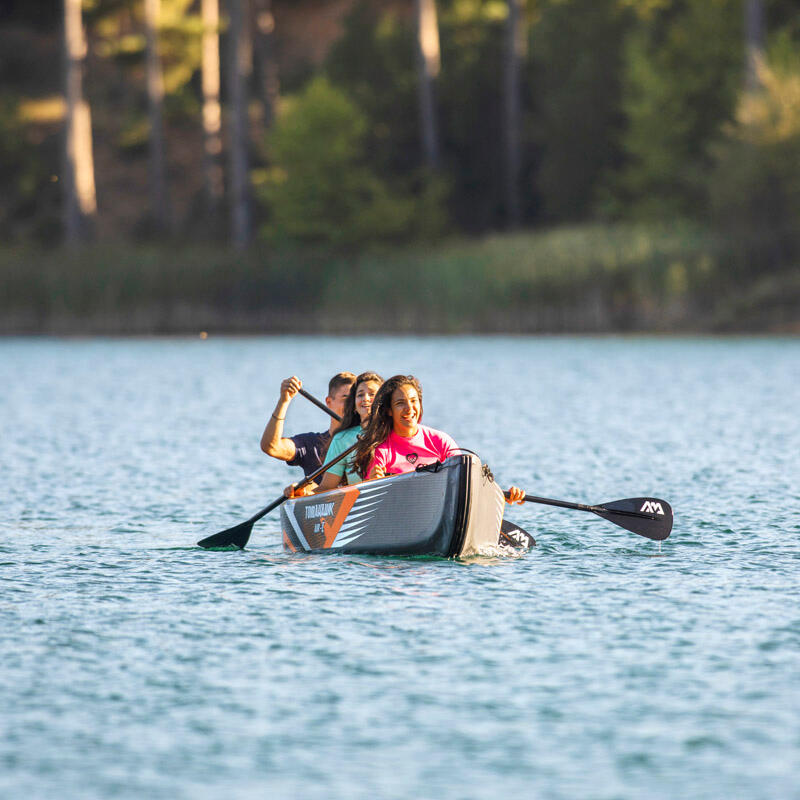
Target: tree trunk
{"x":263,"y":48}
{"x":155,"y":108}
{"x":212,"y":113}
{"x":514,"y":53}
{"x":754,"y":41}
{"x":80,"y":202}
{"x":428,"y":65}
{"x":240,"y":66}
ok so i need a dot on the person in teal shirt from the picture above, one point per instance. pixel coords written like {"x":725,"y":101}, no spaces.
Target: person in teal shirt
{"x":357,"y":408}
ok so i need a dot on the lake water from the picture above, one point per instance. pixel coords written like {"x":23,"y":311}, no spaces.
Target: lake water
{"x":136,"y":665}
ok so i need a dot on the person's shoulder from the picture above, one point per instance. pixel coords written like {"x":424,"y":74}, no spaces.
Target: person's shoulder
{"x":320,"y":435}
{"x":347,"y":433}
{"x":391,"y":441}
{"x":343,"y":439}
{"x":310,"y":438}
{"x":435,"y":433}
{"x":438,"y":437}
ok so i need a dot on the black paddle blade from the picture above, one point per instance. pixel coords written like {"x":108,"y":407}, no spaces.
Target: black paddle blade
{"x":647,"y":516}
{"x":512,"y":535}
{"x":233,"y":537}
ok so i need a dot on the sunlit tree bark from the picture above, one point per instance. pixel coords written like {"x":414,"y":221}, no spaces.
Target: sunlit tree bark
{"x":428,"y":66}
{"x":239,"y":69}
{"x":754,"y":41}
{"x":514,"y":53}
{"x":80,"y":202}
{"x":212,"y":112}
{"x":159,"y":212}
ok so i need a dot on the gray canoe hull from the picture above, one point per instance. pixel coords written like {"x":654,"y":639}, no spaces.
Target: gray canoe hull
{"x":451,"y":509}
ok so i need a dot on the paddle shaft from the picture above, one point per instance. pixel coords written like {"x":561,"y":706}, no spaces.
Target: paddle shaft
{"x":239,"y":534}
{"x":308,"y":479}
{"x":314,"y":475}
{"x":319,"y":404}
{"x":583,"y":507}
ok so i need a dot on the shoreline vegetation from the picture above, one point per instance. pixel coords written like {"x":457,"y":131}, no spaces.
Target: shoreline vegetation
{"x":623,"y":278}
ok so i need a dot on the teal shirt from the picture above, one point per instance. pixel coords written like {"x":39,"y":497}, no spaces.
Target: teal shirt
{"x":340,"y":442}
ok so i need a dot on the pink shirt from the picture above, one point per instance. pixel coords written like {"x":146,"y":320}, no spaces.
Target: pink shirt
{"x":398,"y":454}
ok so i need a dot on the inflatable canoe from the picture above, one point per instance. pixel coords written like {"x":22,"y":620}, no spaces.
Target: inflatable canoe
{"x":445,"y":509}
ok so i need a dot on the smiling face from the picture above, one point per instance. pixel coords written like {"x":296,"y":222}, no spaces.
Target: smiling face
{"x":365,"y":394}
{"x":405,"y":410}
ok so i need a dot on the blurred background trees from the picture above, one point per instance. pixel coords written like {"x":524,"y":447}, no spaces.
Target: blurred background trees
{"x":342,"y":123}
{"x":80,"y":203}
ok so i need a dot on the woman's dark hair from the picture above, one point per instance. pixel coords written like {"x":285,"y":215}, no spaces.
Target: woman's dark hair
{"x":380,"y":421}
{"x":350,"y":416}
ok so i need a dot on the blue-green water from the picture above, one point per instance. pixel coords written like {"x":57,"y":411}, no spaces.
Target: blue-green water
{"x":136,"y":665}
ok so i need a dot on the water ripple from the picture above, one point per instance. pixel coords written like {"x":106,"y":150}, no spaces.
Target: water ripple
{"x":598,"y":665}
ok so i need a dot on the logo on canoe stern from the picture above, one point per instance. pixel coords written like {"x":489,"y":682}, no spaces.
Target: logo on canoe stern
{"x":651,"y":507}
{"x":320,"y":522}
{"x":319,"y":510}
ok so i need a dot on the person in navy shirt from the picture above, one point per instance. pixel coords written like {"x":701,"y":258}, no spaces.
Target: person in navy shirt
{"x":304,"y":450}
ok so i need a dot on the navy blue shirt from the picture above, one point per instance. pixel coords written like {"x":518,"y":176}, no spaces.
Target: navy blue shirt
{"x":310,"y":451}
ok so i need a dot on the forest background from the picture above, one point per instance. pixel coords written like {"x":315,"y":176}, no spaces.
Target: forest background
{"x":399,"y":165}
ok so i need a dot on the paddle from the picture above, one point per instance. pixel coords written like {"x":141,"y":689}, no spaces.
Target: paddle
{"x":319,"y":404}
{"x":239,"y":534}
{"x":646,"y":516}
{"x":512,"y":535}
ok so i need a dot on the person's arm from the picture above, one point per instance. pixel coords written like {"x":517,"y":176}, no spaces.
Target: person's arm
{"x":273,"y":442}
{"x":291,"y":492}
{"x":329,"y":481}
{"x":377,"y":467}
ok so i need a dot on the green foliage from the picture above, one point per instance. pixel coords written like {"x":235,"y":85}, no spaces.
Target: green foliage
{"x":580,"y":277}
{"x":117,"y":28}
{"x":373,"y":63}
{"x":755,"y":186}
{"x":575,"y":73}
{"x":577,"y":278}
{"x":683,"y":67}
{"x":29,"y":202}
{"x":471,"y":114}
{"x":319,"y":189}
{"x":624,"y":101}
{"x":146,"y":289}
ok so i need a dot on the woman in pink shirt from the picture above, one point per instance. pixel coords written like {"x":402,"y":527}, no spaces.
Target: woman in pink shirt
{"x":395,"y":441}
